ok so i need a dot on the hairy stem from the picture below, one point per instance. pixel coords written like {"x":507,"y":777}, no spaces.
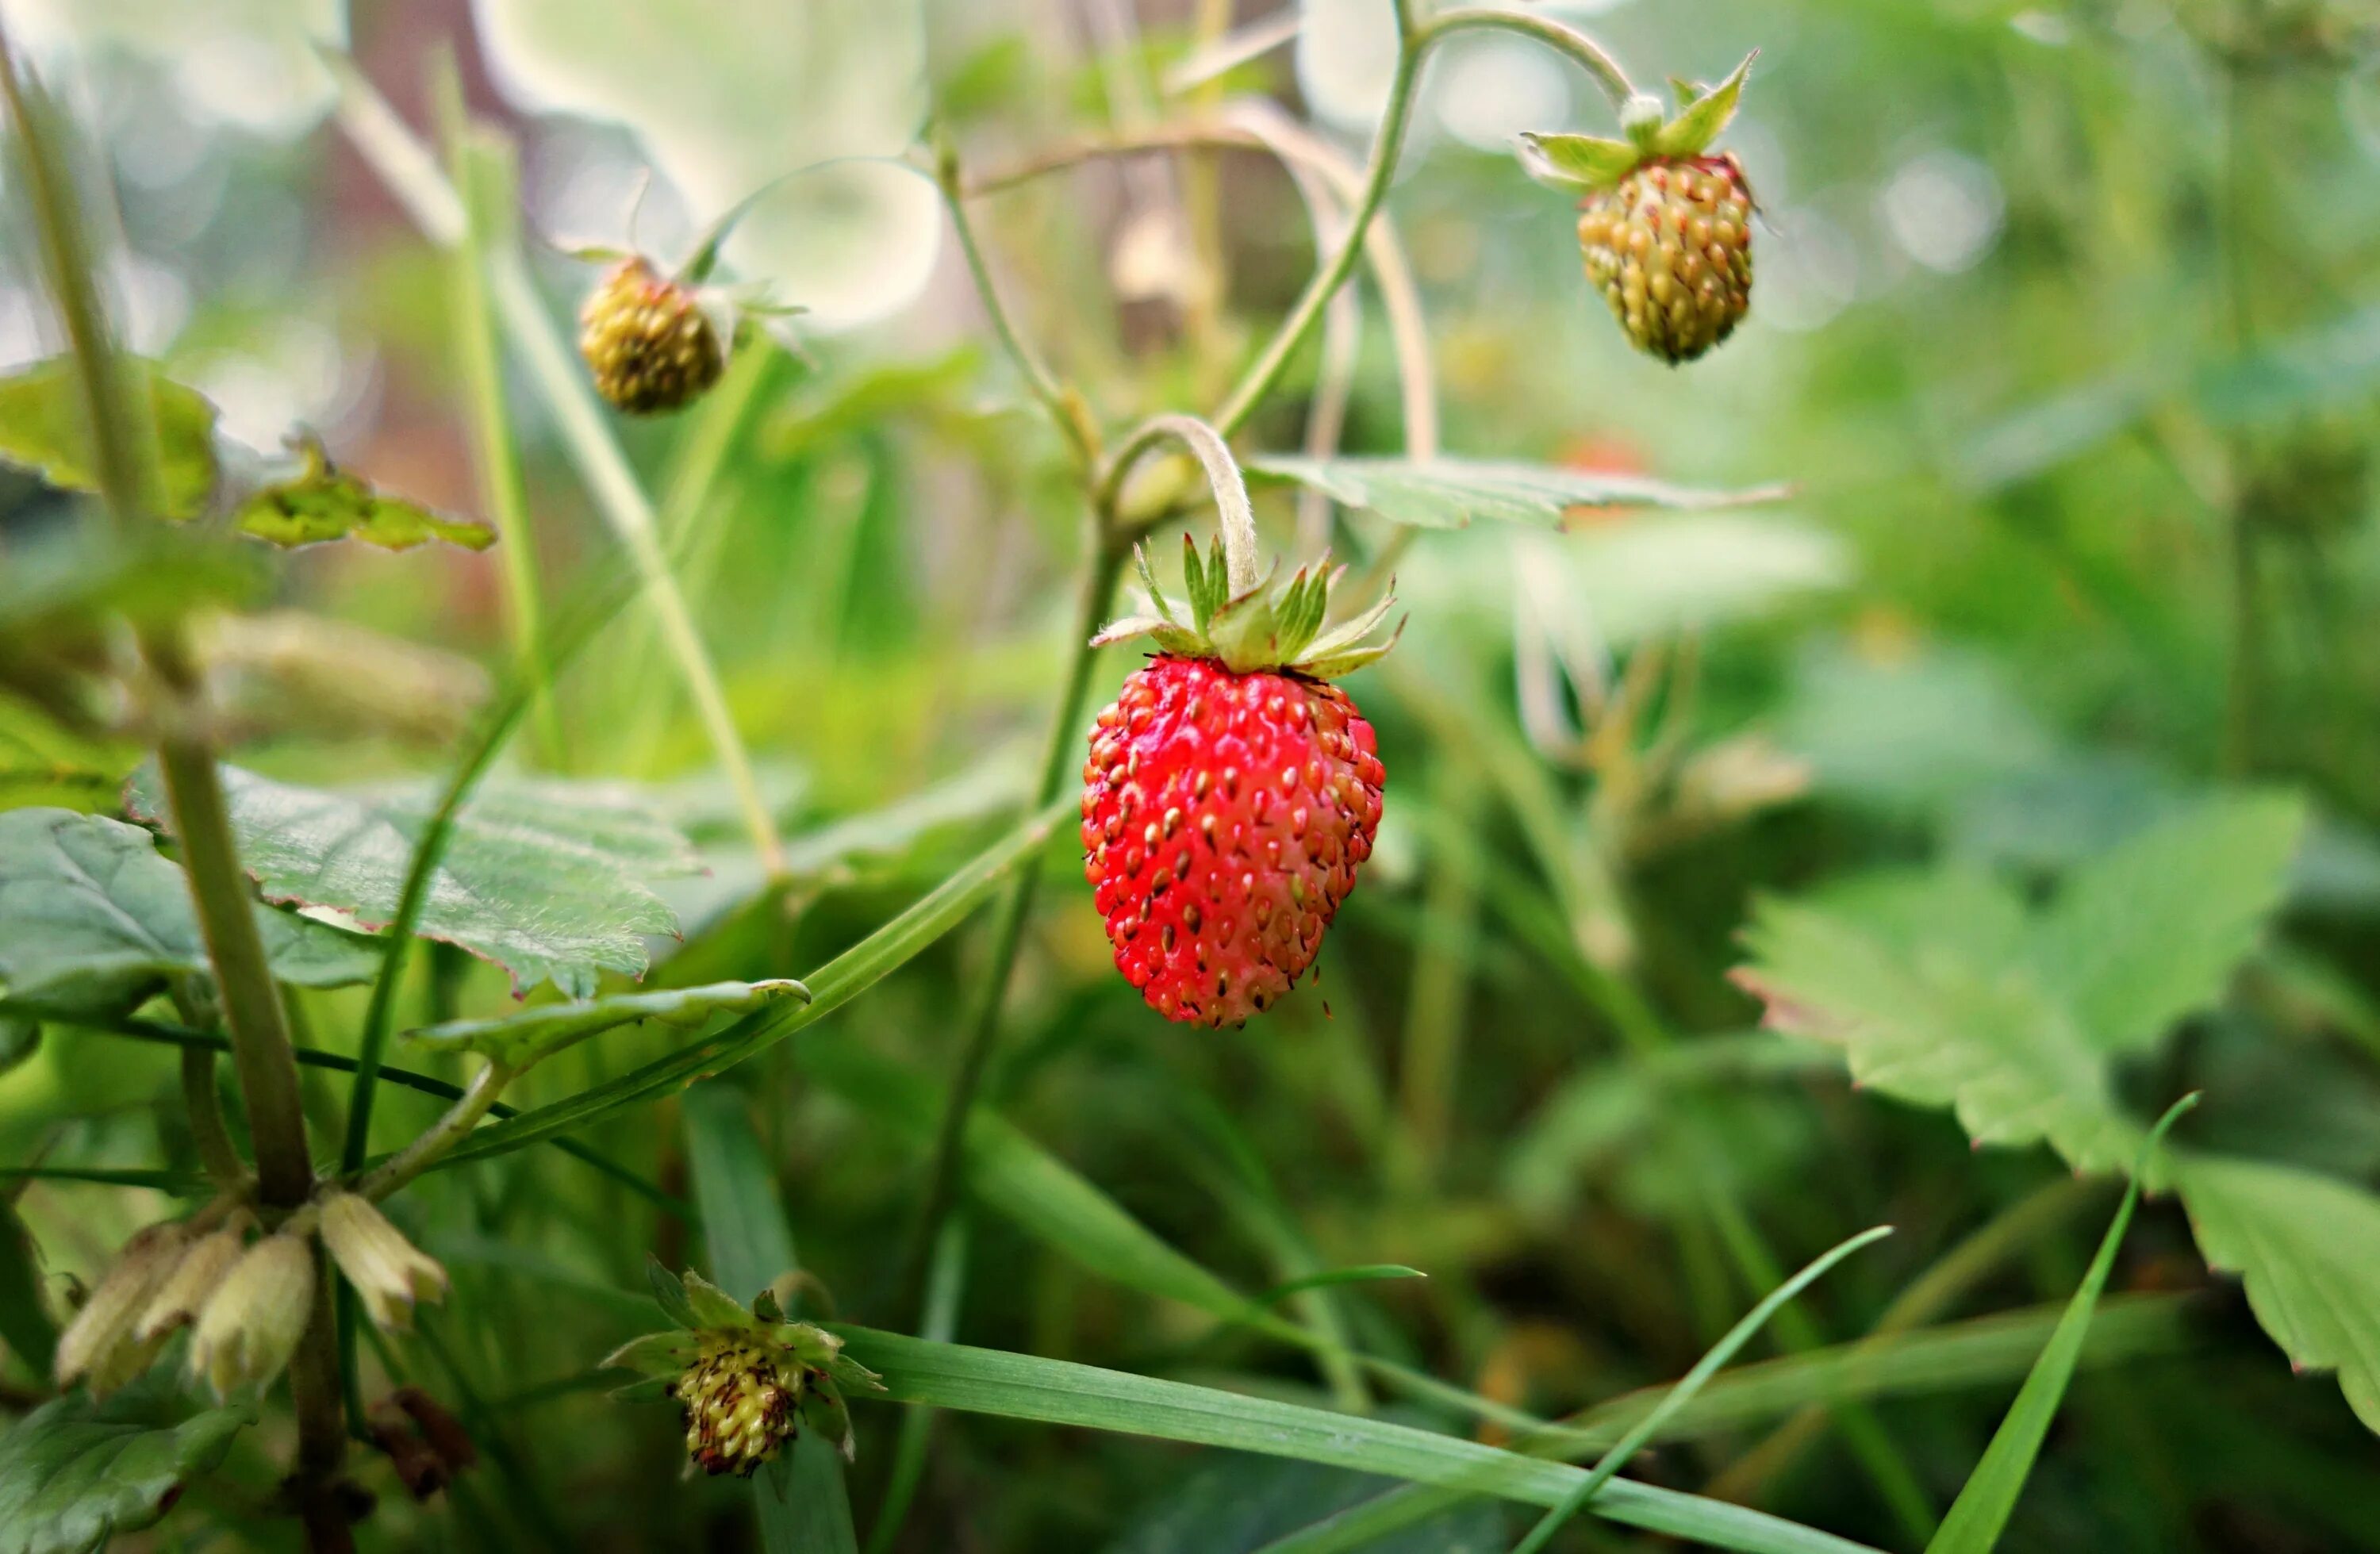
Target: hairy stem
{"x":1064,"y":408}
{"x":129,"y":481}
{"x":1414,"y":42}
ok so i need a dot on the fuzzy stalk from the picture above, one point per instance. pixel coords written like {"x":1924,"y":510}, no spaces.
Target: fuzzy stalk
{"x":129,"y":480}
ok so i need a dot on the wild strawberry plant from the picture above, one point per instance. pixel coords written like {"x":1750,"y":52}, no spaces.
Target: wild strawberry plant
{"x":528,"y":1177}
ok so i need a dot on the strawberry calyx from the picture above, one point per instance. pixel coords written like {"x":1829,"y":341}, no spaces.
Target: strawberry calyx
{"x":1591,"y":162}
{"x":1268,"y":627}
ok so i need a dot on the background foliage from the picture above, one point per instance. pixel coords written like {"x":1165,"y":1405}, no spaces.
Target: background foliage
{"x":1742,"y":870}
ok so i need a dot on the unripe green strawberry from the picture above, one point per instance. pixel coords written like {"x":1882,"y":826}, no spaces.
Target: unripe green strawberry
{"x":646,"y":339}
{"x":1671,"y":248}
{"x":1664,"y":223}
{"x":1231,"y":794}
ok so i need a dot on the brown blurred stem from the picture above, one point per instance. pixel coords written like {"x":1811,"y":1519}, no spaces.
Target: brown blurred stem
{"x":125,"y":462}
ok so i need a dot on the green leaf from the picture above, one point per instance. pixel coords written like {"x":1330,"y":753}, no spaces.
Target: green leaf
{"x":2151,"y":930}
{"x":2308,"y":1248}
{"x":26,"y":1325}
{"x":1060,"y":1392}
{"x":548,"y":879}
{"x":1678,"y":1396}
{"x":1921,"y":990}
{"x":19,"y":1040}
{"x":1235,"y":1504}
{"x":1981,"y":1511}
{"x":74,"y":1473}
{"x":800,"y":1498}
{"x":1690,"y":133}
{"x":1451,"y":493}
{"x":831,"y":986}
{"x":93,"y":919}
{"x":1577,"y":161}
{"x":326,"y":502}
{"x":534,"y":1035}
{"x":42,"y":427}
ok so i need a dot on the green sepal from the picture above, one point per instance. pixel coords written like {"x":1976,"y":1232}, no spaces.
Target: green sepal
{"x":765,"y":1307}
{"x":1157,"y":600}
{"x":663,"y":1354}
{"x":1265,"y":627}
{"x":1692,"y":132}
{"x":713,"y":1307}
{"x":1577,"y":161}
{"x":1346,"y":661}
{"x":669,"y":1292}
{"x":1685,"y":92}
{"x":824,"y":1411}
{"x":849,"y":1375}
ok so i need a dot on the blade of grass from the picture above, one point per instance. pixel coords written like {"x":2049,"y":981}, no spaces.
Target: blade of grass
{"x":1937,"y":1360}
{"x":1060,"y":1392}
{"x":831,"y":986}
{"x":1923,"y":1301}
{"x":394,"y":152}
{"x":945,"y":1285}
{"x":799,"y":1496}
{"x":1981,"y":1510}
{"x":485,"y":179}
{"x":1894,"y":1479}
{"x":1683,"y":1392}
{"x":1362,"y":1274}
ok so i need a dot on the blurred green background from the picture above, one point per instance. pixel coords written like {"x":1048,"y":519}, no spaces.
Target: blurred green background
{"x":2065,"y":335}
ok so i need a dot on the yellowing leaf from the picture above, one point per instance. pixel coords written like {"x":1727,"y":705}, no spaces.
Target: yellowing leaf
{"x":326,"y":502}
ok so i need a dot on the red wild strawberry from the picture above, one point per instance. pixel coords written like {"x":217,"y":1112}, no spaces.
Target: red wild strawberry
{"x":1231,"y":794}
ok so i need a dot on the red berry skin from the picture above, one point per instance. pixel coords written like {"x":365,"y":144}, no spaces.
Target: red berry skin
{"x":1224,"y":817}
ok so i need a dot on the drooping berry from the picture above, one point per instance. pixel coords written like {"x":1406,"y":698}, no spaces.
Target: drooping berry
{"x":648,"y":341}
{"x":739,"y":1403}
{"x":1671,"y":248}
{"x":1665,"y":224}
{"x":1232,"y":792}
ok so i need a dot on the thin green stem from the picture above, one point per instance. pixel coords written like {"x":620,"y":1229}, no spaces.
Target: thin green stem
{"x":484,"y":186}
{"x":126,"y":461}
{"x":1058,"y":757}
{"x":205,"y":1107}
{"x":1560,"y":37}
{"x":1415,"y":41}
{"x":478,"y":1099}
{"x":1261,"y":375}
{"x":1064,"y":408}
{"x":314,"y":1057}
{"x":406,"y":167}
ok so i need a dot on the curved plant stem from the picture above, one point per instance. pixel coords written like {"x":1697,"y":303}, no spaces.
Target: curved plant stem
{"x":1065,"y":409}
{"x":207,"y":1130}
{"x":1560,"y":37}
{"x":126,"y":461}
{"x":478,"y":1098}
{"x":1414,"y":42}
{"x":1235,"y":516}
